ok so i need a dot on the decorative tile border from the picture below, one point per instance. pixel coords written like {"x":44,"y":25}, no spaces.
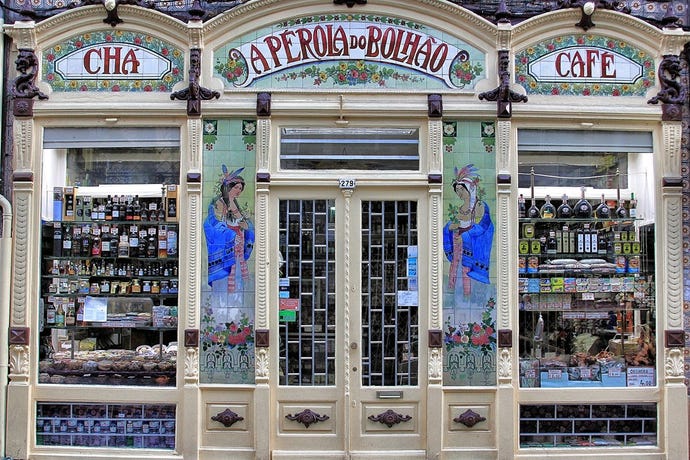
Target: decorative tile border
{"x":152,"y":45}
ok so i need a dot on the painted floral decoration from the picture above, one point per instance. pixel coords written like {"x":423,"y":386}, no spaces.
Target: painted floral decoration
{"x":638,"y":88}
{"x":464,"y":73}
{"x":234,"y":69}
{"x":351,"y":73}
{"x":229,"y":335}
{"x":481,"y":335}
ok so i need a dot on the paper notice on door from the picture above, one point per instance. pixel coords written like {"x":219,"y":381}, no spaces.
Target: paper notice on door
{"x":408,"y":298}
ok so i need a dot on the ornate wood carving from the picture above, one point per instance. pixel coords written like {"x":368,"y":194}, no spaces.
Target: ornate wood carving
{"x":502,"y":94}
{"x":194,"y":93}
{"x":435,"y":105}
{"x":671,"y":94}
{"x":263,"y":104}
{"x":350,"y":3}
{"x":469,"y":418}
{"x":435,"y":338}
{"x":19,"y":335}
{"x":262,"y":338}
{"x":24,"y":87}
{"x":228,"y":418}
{"x":191,"y":338}
{"x":390,"y":418}
{"x":674,"y":338}
{"x":307,"y":417}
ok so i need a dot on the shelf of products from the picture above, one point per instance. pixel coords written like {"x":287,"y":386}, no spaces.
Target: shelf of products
{"x":132,"y":425}
{"x":109,"y":290}
{"x":588,"y":425}
{"x":586,"y":286}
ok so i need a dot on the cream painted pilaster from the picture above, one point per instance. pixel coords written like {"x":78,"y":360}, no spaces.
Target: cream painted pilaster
{"x":506,"y":264}
{"x":190,"y":251}
{"x":435,"y":276}
{"x":24,"y":303}
{"x":262,"y":394}
{"x":670,"y":276}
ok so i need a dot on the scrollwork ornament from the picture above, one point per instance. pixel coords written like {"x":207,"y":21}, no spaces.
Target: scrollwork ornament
{"x":19,"y":361}
{"x":505,"y":364}
{"x":191,"y":363}
{"x":262,"y":363}
{"x":674,"y":366}
{"x":435,"y":364}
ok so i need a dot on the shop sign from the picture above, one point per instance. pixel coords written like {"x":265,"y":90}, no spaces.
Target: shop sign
{"x":349,"y":52}
{"x":585,"y":65}
{"x":116,"y":61}
{"x":113,"y":61}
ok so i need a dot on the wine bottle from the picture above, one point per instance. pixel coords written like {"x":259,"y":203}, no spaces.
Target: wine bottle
{"x":564,"y":211}
{"x":633,"y":206}
{"x":547,"y":210}
{"x":620,"y":211}
{"x":602,"y":211}
{"x":533,"y":211}
{"x":583,"y":209}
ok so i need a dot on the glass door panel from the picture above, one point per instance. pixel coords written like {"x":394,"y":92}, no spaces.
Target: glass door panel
{"x":307,"y":292}
{"x":389,"y":293}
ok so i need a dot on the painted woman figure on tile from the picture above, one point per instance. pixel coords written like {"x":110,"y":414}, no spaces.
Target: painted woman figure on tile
{"x":468,"y":239}
{"x":229,"y":236}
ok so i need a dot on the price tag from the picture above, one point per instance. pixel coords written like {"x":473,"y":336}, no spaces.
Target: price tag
{"x":587,"y":296}
{"x":347,"y":182}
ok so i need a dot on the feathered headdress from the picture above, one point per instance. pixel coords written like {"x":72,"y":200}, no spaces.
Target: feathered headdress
{"x":468,"y":177}
{"x":229,"y":176}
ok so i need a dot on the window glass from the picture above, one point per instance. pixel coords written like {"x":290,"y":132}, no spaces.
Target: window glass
{"x":109,"y":272}
{"x":349,"y":148}
{"x":586,"y":260}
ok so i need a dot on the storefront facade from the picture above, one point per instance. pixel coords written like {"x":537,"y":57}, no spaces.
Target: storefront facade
{"x":347,"y":229}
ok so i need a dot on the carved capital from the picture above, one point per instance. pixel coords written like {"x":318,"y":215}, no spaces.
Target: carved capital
{"x":674,"y":368}
{"x":191,"y":365}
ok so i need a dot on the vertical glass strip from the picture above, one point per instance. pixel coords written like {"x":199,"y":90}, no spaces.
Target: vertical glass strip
{"x":306,"y":304}
{"x":389,"y":293}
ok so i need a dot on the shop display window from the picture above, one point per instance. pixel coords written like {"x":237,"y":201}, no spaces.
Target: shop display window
{"x":133,"y":425}
{"x":588,"y":425}
{"x":587,"y":312}
{"x":109,"y":271}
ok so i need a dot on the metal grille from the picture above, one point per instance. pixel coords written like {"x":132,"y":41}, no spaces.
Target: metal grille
{"x":307,"y":292}
{"x":389,"y":285}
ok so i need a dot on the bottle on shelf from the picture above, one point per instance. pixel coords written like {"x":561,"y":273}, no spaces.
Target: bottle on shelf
{"x":115,"y":213}
{"x":620,"y":211}
{"x":59,"y":316}
{"x":129,"y":209}
{"x":551,"y":243}
{"x":602,"y":211}
{"x":57,"y":239}
{"x":533,"y":211}
{"x":547,"y":210}
{"x":136,"y":212}
{"x":522,"y":209}
{"x":632,"y":211}
{"x":67,"y":242}
{"x":564,"y":211}
{"x":109,"y":208}
{"x":51,"y":314}
{"x":70,"y":315}
{"x":96,"y":241}
{"x":583,"y":208}
{"x":80,"y":313}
